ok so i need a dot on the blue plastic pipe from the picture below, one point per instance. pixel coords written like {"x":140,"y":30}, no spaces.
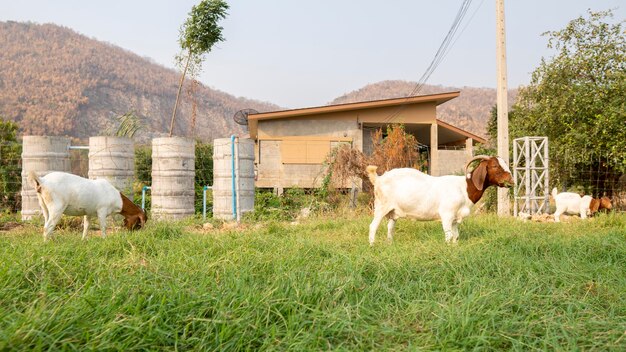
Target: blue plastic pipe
{"x":232,"y":150}
{"x":204,"y":189}
{"x":143,"y":196}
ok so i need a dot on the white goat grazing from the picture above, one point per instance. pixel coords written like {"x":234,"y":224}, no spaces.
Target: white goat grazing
{"x":62,"y":193}
{"x":411,"y":193}
{"x":573,"y":203}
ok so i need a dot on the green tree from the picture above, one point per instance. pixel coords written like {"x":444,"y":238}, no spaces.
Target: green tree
{"x":10,"y":170}
{"x":197,"y":36}
{"x":576,"y":98}
{"x":8,"y":131}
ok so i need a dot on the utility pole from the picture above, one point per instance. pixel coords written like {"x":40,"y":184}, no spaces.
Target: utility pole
{"x":504,"y":208}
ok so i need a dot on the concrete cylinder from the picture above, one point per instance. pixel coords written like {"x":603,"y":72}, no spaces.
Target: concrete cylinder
{"x":173,"y":177}
{"x":113,"y":159}
{"x":222,"y":177}
{"x":42,"y":154}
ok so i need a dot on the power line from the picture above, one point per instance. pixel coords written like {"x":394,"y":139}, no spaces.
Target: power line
{"x":443,"y":50}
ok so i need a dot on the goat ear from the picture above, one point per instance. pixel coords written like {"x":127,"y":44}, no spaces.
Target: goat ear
{"x":605,"y":203}
{"x":478,"y":175}
{"x":594,"y":205}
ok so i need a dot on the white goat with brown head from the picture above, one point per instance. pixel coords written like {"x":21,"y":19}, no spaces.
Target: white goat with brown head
{"x":62,"y":193}
{"x":410,"y":193}
{"x":573,"y":203}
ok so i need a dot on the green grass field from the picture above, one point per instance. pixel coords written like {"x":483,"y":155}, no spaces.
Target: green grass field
{"x":318,"y":285}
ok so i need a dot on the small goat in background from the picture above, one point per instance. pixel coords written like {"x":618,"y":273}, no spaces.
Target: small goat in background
{"x":573,"y":203}
{"x":408,"y":192}
{"x":62,"y":193}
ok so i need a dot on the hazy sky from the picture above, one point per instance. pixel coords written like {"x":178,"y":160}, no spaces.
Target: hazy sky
{"x":306,"y":53}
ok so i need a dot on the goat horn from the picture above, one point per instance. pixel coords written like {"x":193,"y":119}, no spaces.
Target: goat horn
{"x":477,"y":157}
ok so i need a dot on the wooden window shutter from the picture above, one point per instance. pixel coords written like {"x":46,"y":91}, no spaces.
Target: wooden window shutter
{"x":304,"y":151}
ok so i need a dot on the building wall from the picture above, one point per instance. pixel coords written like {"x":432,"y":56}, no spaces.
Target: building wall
{"x":338,"y":127}
{"x":452,"y":162}
{"x":272,"y":172}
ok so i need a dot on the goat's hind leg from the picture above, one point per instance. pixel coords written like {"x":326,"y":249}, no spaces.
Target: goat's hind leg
{"x":44,"y":209}
{"x":54,"y":216}
{"x":85,"y":226}
{"x":45,"y":213}
{"x":378,"y":217}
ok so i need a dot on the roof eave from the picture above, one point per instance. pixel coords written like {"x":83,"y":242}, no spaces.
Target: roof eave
{"x":461,"y":131}
{"x":436,"y":98}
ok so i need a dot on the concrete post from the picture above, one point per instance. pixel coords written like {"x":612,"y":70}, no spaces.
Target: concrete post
{"x":504,"y":207}
{"x":433,"y":167}
{"x":469,"y":147}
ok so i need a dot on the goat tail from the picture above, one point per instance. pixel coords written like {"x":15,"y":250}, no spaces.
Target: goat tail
{"x":554,"y":192}
{"x":34,"y":181}
{"x":371,"y":173}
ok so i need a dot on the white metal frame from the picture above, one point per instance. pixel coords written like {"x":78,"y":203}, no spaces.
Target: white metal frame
{"x":531,"y":175}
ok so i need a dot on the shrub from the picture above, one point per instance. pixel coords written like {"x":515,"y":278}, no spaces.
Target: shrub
{"x":393,"y":149}
{"x":270,"y":206}
{"x":10,"y":168}
{"x":397,"y":149}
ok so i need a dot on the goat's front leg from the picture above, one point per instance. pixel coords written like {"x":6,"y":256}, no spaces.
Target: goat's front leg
{"x":447,"y":229}
{"x":85,"y":226}
{"x":102,"y":218}
{"x":455,"y":232}
{"x":390,"y":229}
{"x":557,"y":215}
{"x":583,"y":213}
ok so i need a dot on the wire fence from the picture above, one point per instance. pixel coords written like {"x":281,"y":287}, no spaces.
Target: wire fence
{"x":594,"y":174}
{"x":590,"y":173}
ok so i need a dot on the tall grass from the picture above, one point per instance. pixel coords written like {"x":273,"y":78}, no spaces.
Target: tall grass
{"x":318,"y":286}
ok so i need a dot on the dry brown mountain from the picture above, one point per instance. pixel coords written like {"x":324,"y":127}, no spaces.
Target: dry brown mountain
{"x":55,"y":81}
{"x":470,"y":111}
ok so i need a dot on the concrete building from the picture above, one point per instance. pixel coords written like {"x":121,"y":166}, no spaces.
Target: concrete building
{"x":291,"y":145}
